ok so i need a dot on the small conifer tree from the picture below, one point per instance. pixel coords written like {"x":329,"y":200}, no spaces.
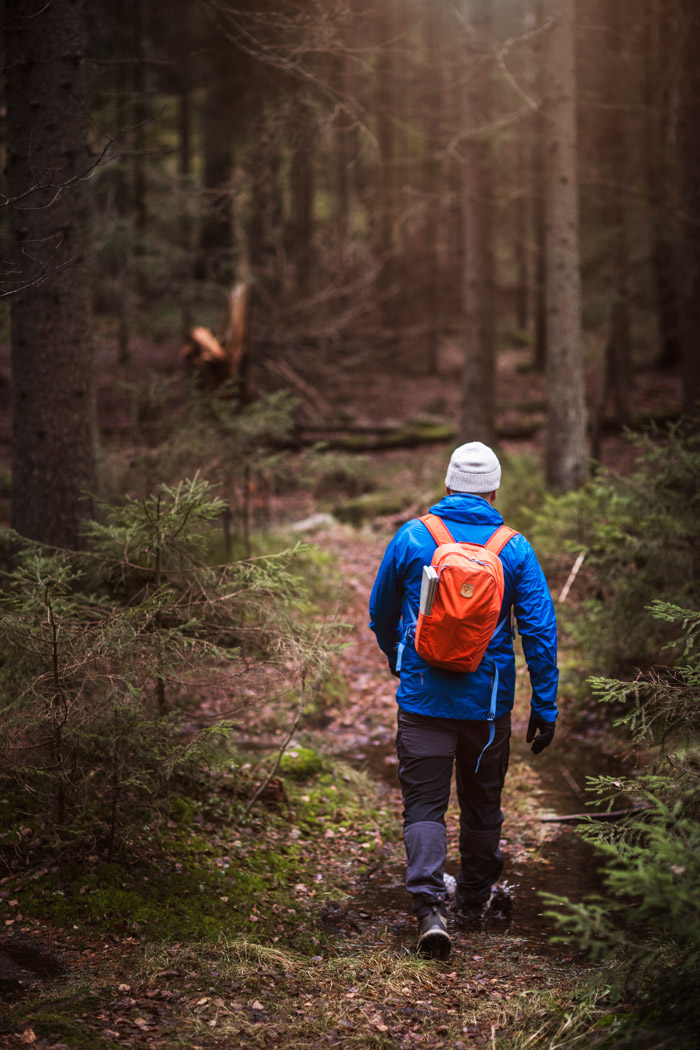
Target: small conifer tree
{"x":647,"y":923}
{"x":108,"y":649}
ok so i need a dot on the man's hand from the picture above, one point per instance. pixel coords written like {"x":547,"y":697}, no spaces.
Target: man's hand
{"x":392,"y":668}
{"x":539,"y":733}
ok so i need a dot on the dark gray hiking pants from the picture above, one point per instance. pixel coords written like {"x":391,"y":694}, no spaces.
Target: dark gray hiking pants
{"x":427,"y":749}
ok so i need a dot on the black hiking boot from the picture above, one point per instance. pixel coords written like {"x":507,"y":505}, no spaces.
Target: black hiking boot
{"x":433,"y":939}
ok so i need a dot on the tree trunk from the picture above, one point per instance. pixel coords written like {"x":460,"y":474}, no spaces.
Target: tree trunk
{"x":300,"y":242}
{"x":538,"y":212}
{"x":124,"y":238}
{"x":614,"y":159}
{"x":520,"y":227}
{"x":566,"y":415}
{"x":216,"y":233}
{"x":432,"y":188}
{"x":661,"y":132}
{"x":342,"y":125}
{"x":184,"y":166}
{"x":690,"y":154}
{"x":53,"y":430}
{"x":139,"y":74}
{"x":478,"y":404}
{"x":265,"y":216}
{"x":387,"y":288}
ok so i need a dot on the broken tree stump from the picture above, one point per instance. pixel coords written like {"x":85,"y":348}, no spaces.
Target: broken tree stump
{"x":219,"y":359}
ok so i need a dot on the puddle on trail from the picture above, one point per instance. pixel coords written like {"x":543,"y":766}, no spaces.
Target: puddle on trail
{"x":24,"y":962}
{"x":563,"y":865}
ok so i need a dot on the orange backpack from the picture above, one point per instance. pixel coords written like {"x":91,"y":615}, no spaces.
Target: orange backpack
{"x":467,"y":601}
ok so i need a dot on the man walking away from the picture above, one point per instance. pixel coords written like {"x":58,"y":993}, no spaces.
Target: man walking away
{"x":449,"y":717}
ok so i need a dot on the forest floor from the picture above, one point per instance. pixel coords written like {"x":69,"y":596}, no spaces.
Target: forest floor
{"x":333,"y":963}
{"x":292,"y":927}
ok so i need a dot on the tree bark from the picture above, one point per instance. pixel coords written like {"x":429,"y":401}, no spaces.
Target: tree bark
{"x":342,"y":125}
{"x":478,"y":394}
{"x":184,"y":164}
{"x":124,"y":237}
{"x":53,"y":430}
{"x":520,"y":227}
{"x":661,"y":132}
{"x":216,"y":233}
{"x":300,"y":246}
{"x":429,"y":261}
{"x":690,"y":155}
{"x":387,"y":288}
{"x":566,"y":408}
{"x":140,"y":116}
{"x":538,"y":213}
{"x":615,"y":166}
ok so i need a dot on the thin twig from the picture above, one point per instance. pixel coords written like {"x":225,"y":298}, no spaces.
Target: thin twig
{"x":572,"y":576}
{"x":285,"y":745}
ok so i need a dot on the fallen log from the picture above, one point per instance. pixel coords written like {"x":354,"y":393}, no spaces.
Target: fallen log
{"x":369,"y":439}
{"x":610,"y":814}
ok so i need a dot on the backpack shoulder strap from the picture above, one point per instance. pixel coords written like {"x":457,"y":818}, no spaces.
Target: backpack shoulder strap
{"x":437,"y":529}
{"x":499,"y":539}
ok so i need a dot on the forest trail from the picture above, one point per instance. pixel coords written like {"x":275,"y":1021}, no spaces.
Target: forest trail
{"x":321,"y":952}
{"x":341,"y":970}
{"x":538,"y":856}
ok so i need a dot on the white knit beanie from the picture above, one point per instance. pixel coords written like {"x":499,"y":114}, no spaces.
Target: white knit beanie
{"x":474,"y":467}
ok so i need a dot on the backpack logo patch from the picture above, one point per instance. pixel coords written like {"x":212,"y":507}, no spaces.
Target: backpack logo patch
{"x":467,"y":590}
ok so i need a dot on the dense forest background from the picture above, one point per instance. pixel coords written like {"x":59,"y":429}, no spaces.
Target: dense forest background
{"x":262,"y":267}
{"x":377,"y":179}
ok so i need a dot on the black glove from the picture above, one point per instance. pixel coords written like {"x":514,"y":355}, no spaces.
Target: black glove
{"x":539,"y":733}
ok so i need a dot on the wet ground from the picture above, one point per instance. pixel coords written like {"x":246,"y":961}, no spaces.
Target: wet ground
{"x":563,"y":864}
{"x":24,"y":963}
{"x":541,"y":854}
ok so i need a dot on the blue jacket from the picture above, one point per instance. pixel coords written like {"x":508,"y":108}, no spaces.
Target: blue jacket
{"x":394,"y":601}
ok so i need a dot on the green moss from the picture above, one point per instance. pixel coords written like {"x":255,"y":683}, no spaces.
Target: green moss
{"x":73,"y":1034}
{"x":371,"y":505}
{"x":411,"y":434}
{"x":182,"y":811}
{"x":154,"y":904}
{"x":340,"y":473}
{"x":54,"y":1019}
{"x":515,"y":338}
{"x":301,"y":763}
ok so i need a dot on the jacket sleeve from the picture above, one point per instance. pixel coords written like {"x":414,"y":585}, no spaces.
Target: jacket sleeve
{"x":534,"y":612}
{"x":385,"y":603}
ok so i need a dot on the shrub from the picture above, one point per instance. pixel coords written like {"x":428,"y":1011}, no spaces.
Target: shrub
{"x":641,"y":534}
{"x":647,"y":926}
{"x":102,"y":648}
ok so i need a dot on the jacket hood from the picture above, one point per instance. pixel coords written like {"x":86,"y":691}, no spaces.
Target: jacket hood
{"x":472,"y":510}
